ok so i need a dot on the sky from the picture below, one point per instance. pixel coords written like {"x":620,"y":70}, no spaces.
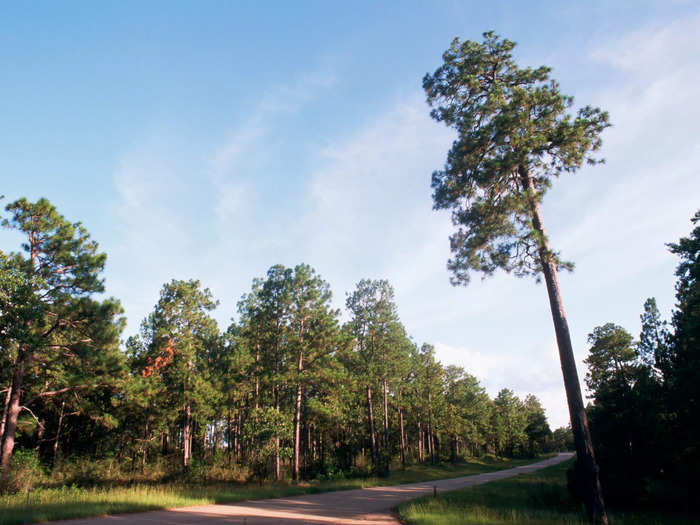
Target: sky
{"x":212,"y":140}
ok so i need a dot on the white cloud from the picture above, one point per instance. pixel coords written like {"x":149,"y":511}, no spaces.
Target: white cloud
{"x":369,"y":211}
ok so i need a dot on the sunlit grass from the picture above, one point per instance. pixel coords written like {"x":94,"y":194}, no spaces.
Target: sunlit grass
{"x":538,"y":498}
{"x":74,"y":502}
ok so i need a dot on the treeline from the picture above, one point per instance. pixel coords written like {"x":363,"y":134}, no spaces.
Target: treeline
{"x":286,"y":390}
{"x":645,"y":415}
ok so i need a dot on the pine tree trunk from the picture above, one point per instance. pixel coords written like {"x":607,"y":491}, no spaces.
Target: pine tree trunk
{"x":143,"y":452}
{"x":237,"y":435}
{"x":403,"y":439}
{"x":257,"y":381}
{"x":307,"y":454}
{"x":386,"y":416}
{"x":431,"y":444}
{"x":229,"y":435}
{"x":420,"y":442}
{"x":4,"y":410}
{"x":297,"y":407}
{"x":13,"y":409}
{"x":297,"y":433}
{"x":372,"y":436}
{"x":56,"y":441}
{"x":579,"y":422}
{"x":187,"y":437}
{"x":39,"y":437}
{"x":429,"y":434}
{"x":277,"y":439}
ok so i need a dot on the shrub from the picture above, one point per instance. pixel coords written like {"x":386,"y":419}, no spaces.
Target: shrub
{"x":24,"y":472}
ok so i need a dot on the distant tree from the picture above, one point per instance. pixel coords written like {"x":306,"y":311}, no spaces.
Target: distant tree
{"x":561,"y":440}
{"x":314,"y":334}
{"x":468,"y":411}
{"x":509,"y":419}
{"x":177,"y":350}
{"x":537,"y":429}
{"x":611,"y":357}
{"x":231,"y":366}
{"x":374,"y":328}
{"x":516,"y":133}
{"x":430,"y":403}
{"x":55,"y":337}
{"x":654,"y":340}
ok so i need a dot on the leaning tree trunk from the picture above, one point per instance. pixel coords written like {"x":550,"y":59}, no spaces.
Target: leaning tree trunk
{"x":372,"y":436}
{"x":579,"y":422}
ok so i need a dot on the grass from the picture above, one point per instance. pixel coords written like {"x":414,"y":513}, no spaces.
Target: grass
{"x":538,"y":498}
{"x":75,"y":502}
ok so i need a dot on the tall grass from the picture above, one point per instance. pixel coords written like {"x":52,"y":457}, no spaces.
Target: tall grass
{"x":64,"y":502}
{"x":538,"y":498}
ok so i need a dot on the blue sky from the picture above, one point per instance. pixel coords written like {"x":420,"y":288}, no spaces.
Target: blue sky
{"x":211,"y":140}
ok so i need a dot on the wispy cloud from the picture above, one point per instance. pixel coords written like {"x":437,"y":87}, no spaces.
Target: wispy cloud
{"x":200,"y":213}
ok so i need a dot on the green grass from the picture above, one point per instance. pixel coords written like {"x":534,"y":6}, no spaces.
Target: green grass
{"x":538,"y":498}
{"x":75,"y":502}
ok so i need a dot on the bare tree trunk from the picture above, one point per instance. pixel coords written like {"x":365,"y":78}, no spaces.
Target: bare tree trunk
{"x":237,"y":435}
{"x":229,"y":435}
{"x":372,"y":437}
{"x":431,"y":443}
{"x":585,"y":455}
{"x":257,"y":380}
{"x":420,"y":442}
{"x":143,"y":452}
{"x":187,"y":437}
{"x":403,"y":438}
{"x":13,"y":409}
{"x":39,"y":437}
{"x":277,"y":439}
{"x":431,"y":452}
{"x":308,"y":445}
{"x":4,"y":410}
{"x":297,"y":408}
{"x":386,"y":416}
{"x":58,"y":435}
{"x":297,"y":420}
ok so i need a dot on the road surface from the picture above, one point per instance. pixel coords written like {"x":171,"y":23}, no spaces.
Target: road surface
{"x":371,"y":506}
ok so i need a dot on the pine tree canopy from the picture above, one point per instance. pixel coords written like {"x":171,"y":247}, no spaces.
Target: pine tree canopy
{"x":510,"y":121}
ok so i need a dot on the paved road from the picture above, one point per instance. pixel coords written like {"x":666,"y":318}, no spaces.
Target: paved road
{"x":370,"y":506}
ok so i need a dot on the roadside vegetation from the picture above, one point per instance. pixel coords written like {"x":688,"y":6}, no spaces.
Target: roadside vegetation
{"x":73,"y":501}
{"x":538,"y":498}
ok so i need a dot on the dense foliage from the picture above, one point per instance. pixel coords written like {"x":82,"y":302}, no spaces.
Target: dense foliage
{"x":286,"y":390}
{"x":644,"y":415}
